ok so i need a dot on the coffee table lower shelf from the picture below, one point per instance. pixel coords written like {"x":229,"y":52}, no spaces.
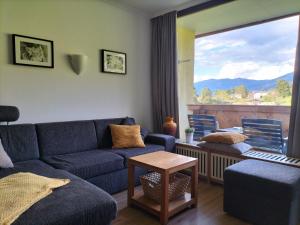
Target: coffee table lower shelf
{"x":165,"y":163}
{"x":175,"y":206}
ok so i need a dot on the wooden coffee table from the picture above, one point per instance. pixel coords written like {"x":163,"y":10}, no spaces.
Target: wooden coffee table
{"x":164,"y":163}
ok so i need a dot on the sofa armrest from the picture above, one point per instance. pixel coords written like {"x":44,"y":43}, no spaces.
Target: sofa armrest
{"x":162,"y":139}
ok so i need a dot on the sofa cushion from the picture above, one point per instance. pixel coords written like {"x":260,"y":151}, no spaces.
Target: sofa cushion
{"x":117,"y":181}
{"x":66,"y":137}
{"x":128,"y":121}
{"x":126,"y":136}
{"x":130,"y":152}
{"x":33,"y":166}
{"x":131,"y":121}
{"x":20,"y":142}
{"x":77,"y":203}
{"x":87,"y":164}
{"x":103,"y":131}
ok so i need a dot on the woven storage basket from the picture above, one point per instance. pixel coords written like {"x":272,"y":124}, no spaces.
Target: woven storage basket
{"x":151,"y":184}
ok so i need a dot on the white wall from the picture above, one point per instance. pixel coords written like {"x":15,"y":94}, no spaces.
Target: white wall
{"x":76,"y":26}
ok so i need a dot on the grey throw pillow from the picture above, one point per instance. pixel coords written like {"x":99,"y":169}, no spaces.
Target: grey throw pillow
{"x":238,"y":148}
{"x":5,"y":161}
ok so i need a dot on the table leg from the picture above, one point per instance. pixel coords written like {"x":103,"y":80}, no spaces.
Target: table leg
{"x":131,"y":182}
{"x":164,"y":212}
{"x":194,"y":184}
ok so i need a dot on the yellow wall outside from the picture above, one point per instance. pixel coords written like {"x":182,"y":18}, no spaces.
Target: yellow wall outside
{"x":185,"y":44}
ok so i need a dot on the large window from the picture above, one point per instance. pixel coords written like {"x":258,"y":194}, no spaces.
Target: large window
{"x":243,"y":77}
{"x":247,"y":66}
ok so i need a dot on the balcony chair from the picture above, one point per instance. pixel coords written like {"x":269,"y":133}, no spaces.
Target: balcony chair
{"x":265,"y":134}
{"x":203,"y":124}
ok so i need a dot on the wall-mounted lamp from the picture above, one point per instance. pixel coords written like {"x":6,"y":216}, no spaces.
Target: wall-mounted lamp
{"x":78,"y":63}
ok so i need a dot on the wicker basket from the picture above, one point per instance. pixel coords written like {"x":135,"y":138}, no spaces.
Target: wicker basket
{"x":151,"y":184}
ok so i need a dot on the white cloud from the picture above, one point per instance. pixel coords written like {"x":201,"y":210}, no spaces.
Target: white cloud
{"x":210,"y":44}
{"x":237,"y":69}
{"x":254,"y":70}
{"x":259,"y":52}
{"x":198,"y":77}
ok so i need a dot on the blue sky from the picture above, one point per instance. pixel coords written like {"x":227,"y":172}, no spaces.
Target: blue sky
{"x":264,"y":51}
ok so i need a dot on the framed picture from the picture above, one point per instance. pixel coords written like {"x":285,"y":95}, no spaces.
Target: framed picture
{"x":113,"y":62}
{"x":29,"y":51}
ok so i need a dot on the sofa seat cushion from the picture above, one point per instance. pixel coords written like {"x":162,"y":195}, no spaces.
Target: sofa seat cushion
{"x":33,"y":166}
{"x":87,"y":164}
{"x":130,"y":152}
{"x":79,"y":202}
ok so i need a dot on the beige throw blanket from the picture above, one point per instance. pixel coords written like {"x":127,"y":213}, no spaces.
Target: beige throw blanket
{"x":18,"y":192}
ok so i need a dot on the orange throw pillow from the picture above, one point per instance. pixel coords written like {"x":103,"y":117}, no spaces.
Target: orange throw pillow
{"x":126,"y":136}
{"x":224,"y":138}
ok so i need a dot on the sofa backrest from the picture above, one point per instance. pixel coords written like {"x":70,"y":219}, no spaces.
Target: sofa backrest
{"x":20,"y":141}
{"x":66,"y":137}
{"x":103,"y":130}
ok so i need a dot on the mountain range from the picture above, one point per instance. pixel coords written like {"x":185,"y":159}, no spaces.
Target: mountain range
{"x":251,"y":85}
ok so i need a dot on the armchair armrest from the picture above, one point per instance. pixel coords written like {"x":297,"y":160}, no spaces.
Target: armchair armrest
{"x":162,"y":139}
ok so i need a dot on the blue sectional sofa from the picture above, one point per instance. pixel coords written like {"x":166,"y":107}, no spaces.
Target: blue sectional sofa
{"x":80,"y":151}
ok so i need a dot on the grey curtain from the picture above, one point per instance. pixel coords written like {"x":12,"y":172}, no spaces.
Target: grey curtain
{"x":164,"y":70}
{"x":294,"y":130}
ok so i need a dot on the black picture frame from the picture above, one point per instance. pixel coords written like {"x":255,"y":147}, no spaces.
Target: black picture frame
{"x":120,"y":57}
{"x":31,"y":51}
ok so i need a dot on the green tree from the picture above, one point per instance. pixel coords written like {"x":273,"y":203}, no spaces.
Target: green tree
{"x":206,"y":96}
{"x":195,"y":96}
{"x":241,"y":90}
{"x":222,"y":96}
{"x":283,"y":88}
{"x":195,"y":92}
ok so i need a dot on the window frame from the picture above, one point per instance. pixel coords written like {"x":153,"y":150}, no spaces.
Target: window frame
{"x":247,"y":25}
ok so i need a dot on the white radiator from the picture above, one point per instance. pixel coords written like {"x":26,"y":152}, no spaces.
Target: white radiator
{"x":218,"y":163}
{"x":200,"y":155}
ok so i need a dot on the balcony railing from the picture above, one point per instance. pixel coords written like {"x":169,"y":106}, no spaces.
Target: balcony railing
{"x":231,"y":115}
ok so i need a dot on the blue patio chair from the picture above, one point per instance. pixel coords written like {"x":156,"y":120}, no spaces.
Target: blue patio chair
{"x":265,"y":134}
{"x":203,"y":125}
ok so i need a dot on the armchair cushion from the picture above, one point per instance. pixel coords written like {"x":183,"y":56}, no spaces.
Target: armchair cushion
{"x":167,"y":141}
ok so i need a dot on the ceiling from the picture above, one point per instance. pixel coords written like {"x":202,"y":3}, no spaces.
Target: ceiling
{"x":236,"y":13}
{"x":155,"y":6}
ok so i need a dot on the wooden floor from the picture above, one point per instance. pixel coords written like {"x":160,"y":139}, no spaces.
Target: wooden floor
{"x":208,"y":212}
